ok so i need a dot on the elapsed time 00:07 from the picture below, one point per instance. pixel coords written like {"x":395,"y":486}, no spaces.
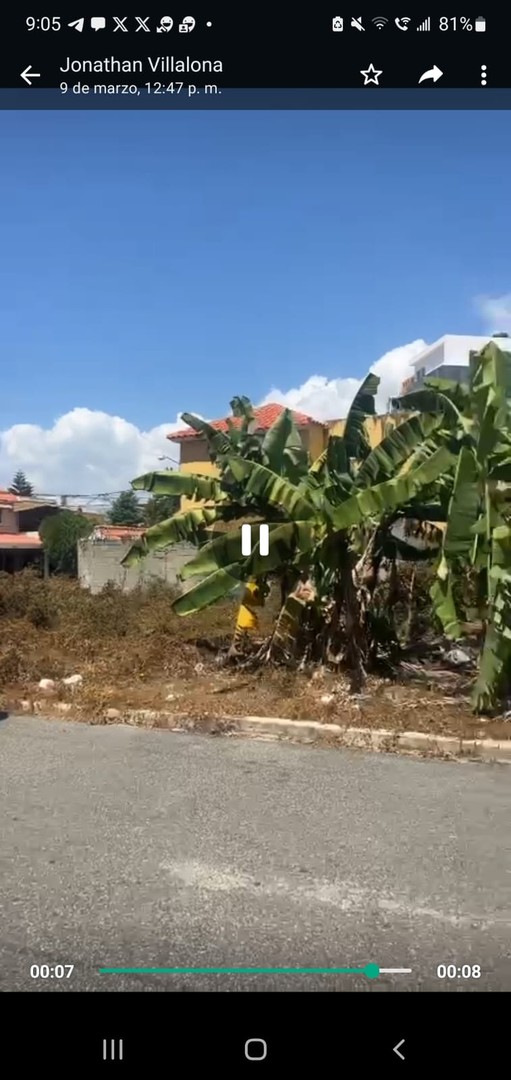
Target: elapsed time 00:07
{"x":451,"y":971}
{"x":51,"y":971}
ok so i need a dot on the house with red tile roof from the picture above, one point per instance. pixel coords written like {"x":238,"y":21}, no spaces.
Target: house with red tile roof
{"x":265,"y":416}
{"x":20,"y":518}
{"x":194,"y":456}
{"x":117,"y":532}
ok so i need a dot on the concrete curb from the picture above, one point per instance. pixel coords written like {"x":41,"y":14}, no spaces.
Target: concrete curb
{"x":306,"y":731}
{"x":380,"y":739}
{"x":312,"y":731}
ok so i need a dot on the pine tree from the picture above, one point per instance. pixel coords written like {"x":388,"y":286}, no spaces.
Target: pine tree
{"x":126,"y":510}
{"x":159,"y":508}
{"x":21,"y":486}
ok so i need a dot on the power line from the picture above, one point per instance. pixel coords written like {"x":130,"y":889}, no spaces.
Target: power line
{"x":72,"y":495}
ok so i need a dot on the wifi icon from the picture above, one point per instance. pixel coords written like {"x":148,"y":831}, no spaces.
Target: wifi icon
{"x":379,"y":22}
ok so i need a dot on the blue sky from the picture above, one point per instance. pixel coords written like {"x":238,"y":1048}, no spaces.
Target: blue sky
{"x":154,"y":262}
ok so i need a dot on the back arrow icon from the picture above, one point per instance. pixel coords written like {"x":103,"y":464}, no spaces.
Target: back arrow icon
{"x":396,"y":1049}
{"x":433,"y":73}
{"x":28,"y":75}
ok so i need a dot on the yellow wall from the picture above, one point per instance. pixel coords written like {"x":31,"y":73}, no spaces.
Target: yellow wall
{"x":376,"y":426}
{"x":316,"y":439}
{"x":203,"y":468}
{"x":192,"y":455}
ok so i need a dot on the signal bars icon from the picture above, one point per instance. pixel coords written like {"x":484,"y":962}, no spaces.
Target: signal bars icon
{"x":426,"y":25}
{"x":246,"y":540}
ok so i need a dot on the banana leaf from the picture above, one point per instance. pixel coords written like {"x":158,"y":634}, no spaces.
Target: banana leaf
{"x":192,"y":485}
{"x":499,"y":466}
{"x":445,"y":607}
{"x":428,"y":400}
{"x":363,"y":405}
{"x":282,"y":449}
{"x":188,"y":526}
{"x":290,"y":542}
{"x":269,"y":488}
{"x":241,"y":407}
{"x":396,"y":448}
{"x":463,"y":507}
{"x":458,"y":393}
{"x":493,"y":664}
{"x":489,"y":385}
{"x":218,"y":441}
{"x":319,"y":465}
{"x":275,"y":440}
{"x":217,"y":586}
{"x":286,"y":542}
{"x":376,"y":501}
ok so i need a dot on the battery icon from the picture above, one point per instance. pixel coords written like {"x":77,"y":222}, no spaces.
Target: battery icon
{"x":480,"y":24}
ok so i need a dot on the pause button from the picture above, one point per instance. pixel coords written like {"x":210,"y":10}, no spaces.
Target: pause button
{"x":263,"y":539}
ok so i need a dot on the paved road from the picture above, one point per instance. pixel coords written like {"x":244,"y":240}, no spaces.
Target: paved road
{"x":121,"y":847}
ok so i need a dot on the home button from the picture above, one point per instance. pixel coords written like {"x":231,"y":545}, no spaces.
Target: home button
{"x":256,"y":1049}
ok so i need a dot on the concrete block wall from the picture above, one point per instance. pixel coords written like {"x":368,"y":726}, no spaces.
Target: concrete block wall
{"x":99,"y":562}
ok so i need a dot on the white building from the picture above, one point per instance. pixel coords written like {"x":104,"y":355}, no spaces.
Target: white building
{"x":449,"y":358}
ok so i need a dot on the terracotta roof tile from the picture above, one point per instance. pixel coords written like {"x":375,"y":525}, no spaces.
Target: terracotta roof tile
{"x":265,"y":416}
{"x":117,"y":532}
{"x":23,"y":502}
{"x":27,"y":540}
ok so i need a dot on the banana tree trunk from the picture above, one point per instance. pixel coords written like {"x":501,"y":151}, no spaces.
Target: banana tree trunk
{"x":411,"y":608}
{"x":349,"y":629}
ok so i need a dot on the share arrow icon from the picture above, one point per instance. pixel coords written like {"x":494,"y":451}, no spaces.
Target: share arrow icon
{"x":434,"y":73}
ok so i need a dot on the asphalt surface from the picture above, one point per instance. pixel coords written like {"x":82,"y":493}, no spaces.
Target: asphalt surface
{"x":123,"y":847}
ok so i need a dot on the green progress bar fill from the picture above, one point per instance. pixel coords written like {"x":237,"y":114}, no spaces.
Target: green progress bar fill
{"x":371,"y":971}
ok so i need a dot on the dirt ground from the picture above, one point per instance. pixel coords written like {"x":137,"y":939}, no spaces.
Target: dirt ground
{"x":133,"y":652}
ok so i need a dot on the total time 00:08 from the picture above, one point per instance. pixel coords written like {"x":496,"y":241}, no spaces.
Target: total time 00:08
{"x":452,"y":971}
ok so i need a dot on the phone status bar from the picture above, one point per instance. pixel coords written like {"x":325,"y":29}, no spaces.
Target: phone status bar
{"x":443,"y":23}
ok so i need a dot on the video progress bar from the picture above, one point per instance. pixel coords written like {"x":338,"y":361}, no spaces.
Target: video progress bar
{"x":371,"y":971}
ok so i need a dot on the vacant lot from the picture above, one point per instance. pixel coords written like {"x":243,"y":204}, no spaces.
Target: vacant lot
{"x":133,"y":652}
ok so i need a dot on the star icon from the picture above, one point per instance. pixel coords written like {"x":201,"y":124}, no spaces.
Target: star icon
{"x":371,"y":75}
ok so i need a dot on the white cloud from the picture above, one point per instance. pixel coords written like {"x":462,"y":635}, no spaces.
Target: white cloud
{"x":330,"y":399}
{"x":85,"y":452}
{"x":88,"y":452}
{"x":496,"y":312}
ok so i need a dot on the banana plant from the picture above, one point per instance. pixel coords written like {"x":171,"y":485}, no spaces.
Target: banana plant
{"x":478,"y":532}
{"x":318,"y":514}
{"x":323,"y":513}
{"x":280,"y":449}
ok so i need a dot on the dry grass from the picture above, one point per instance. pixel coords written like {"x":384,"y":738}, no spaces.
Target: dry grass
{"x":133,"y":652}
